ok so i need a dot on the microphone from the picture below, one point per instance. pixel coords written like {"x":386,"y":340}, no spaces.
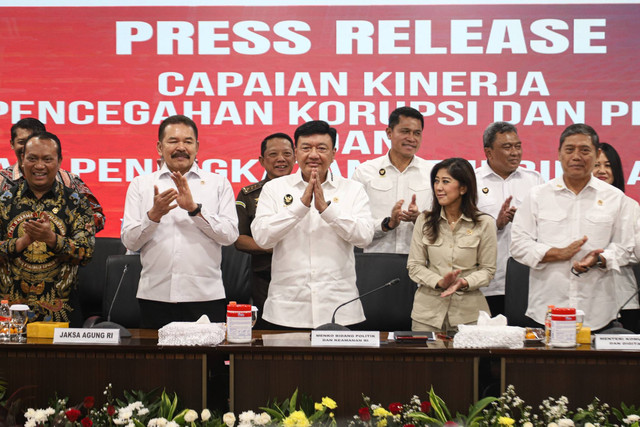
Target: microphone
{"x":617,"y":328}
{"x":333,"y":326}
{"x":124,"y":332}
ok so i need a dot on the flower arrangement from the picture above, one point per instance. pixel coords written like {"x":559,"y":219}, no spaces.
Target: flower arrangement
{"x":138,"y":409}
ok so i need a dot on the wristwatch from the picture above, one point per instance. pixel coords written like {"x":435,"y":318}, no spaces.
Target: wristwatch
{"x":196,"y":211}
{"x":385,"y":224}
{"x":601,"y":262}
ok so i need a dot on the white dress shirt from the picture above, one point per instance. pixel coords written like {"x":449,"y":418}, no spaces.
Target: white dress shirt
{"x":313,"y":264}
{"x":493,"y":190}
{"x":181,"y":254}
{"x":553,"y":216}
{"x":385,"y":185}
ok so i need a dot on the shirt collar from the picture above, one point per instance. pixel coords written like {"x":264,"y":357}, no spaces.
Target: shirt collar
{"x":559,"y":185}
{"x":387,"y":162}
{"x":164,"y":170}
{"x":486,"y":170}
{"x":50,"y":194}
{"x":444,"y":217}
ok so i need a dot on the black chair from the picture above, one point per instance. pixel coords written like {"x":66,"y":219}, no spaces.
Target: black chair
{"x":390,"y":308}
{"x":236,"y":274}
{"x":516,"y":294}
{"x":91,"y":277}
{"x":122,"y":308}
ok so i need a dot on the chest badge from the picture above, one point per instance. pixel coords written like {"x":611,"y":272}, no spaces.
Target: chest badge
{"x":382,"y":172}
{"x":485,"y":190}
{"x":599,"y":202}
{"x":469,"y":232}
{"x":335,"y":200}
{"x":288,"y":199}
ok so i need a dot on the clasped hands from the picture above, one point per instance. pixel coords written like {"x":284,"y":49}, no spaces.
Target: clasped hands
{"x":398,"y":214}
{"x":568,"y":252}
{"x":163,"y":202}
{"x":451,"y":283}
{"x":314,"y":192}
{"x":37,"y":229}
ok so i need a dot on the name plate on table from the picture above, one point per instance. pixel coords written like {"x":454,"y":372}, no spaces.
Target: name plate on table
{"x":86,"y":336}
{"x":346,"y":338}
{"x":617,"y":342}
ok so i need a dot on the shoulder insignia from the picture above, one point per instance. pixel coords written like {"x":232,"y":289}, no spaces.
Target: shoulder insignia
{"x":241,"y":204}
{"x":253,"y":187}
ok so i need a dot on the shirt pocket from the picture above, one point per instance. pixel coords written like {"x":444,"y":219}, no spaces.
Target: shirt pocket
{"x":467,"y":247}
{"x":381,"y":184}
{"x":598,"y":229}
{"x":434,"y":250}
{"x":552,"y":227}
{"x":419,"y":186}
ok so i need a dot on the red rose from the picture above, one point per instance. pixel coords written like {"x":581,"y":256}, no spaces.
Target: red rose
{"x":451,"y":424}
{"x":395,"y":408}
{"x":409,"y":425}
{"x":88,"y":402}
{"x":111,"y":410}
{"x":364,"y":414}
{"x":72,"y":414}
{"x":425,"y":407}
{"x":86,"y":422}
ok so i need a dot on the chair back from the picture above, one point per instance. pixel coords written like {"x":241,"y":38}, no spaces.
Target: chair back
{"x":236,"y":274}
{"x":516,"y":294}
{"x":390,"y":308}
{"x":124,"y":306}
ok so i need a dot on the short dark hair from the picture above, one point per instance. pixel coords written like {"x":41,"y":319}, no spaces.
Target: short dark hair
{"x":615,"y":163}
{"x":394,"y":117}
{"x":263,"y":144}
{"x":45,"y":135}
{"x":580,"y":129}
{"x":462,"y":171}
{"x":28,"y":123}
{"x":316,"y":127}
{"x":489,"y":135}
{"x":174,"y":120}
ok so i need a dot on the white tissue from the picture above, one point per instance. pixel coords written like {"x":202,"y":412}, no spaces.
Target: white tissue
{"x":192,"y":333}
{"x":489,"y":333}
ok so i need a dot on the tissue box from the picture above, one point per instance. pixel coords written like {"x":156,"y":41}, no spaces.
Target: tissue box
{"x":191,"y":333}
{"x":44,"y":329}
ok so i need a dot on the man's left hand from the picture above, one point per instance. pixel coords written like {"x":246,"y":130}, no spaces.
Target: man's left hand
{"x":588,"y":261}
{"x":184,"y":199}
{"x":318,"y":194}
{"x":412,"y":213}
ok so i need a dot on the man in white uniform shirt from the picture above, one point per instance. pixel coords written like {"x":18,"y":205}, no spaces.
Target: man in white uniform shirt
{"x":573,"y":232}
{"x":398,"y":183}
{"x":178,"y":218}
{"x":312,"y":219}
{"x":502,"y":185}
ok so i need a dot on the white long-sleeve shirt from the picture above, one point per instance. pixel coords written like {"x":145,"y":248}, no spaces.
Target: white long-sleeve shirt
{"x":313,"y":265}
{"x":493,"y":190}
{"x":181,"y":254}
{"x":385,"y":185}
{"x":553,"y":216}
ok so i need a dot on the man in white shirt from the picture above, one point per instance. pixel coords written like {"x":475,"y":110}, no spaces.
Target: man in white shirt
{"x":398,"y":183}
{"x":178,"y":218}
{"x":312,"y":219}
{"x":573,"y":232}
{"x":502,"y":185}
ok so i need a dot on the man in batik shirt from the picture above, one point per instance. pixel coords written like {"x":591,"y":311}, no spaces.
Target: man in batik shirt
{"x":47,"y":230}
{"x":20,"y":133}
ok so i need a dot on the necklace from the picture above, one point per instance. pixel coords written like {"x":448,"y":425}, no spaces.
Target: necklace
{"x":454,"y":222}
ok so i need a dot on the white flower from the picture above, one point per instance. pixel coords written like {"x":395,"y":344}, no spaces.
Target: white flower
{"x":589,"y":425}
{"x":552,"y":425}
{"x":190,"y":416}
{"x":173,"y":424}
{"x":157,"y":422}
{"x":30,"y":413}
{"x":633,"y":418}
{"x":229,"y":419}
{"x":249,"y":424}
{"x":143,"y":411}
{"x":41,"y":417}
{"x":262,"y":419}
{"x":565,"y":422}
{"x":527,"y":424}
{"x":49,"y":411}
{"x":205,"y":415}
{"x":247,"y":417}
{"x":30,"y":423}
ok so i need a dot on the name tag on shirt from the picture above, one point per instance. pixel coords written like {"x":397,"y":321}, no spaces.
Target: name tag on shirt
{"x":345,"y":338}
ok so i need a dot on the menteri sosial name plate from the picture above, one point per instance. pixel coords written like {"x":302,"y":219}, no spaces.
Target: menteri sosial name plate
{"x":346,"y":338}
{"x":86,"y":336}
{"x":618,"y":342}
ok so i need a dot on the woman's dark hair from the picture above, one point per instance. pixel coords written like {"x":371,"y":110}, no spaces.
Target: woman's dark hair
{"x":462,"y":171}
{"x":616,"y":165}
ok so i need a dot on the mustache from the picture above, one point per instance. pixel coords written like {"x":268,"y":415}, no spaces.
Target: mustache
{"x":176,"y":155}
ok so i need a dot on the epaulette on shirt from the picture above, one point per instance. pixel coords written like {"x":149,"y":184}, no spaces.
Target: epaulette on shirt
{"x":253,"y":187}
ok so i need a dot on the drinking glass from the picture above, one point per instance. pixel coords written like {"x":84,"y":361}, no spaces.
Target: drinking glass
{"x":19,"y":318}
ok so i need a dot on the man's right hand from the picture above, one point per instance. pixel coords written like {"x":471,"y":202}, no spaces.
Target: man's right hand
{"x":564,"y":254}
{"x":162,"y":203}
{"x":395,"y":214}
{"x":506,"y":214}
